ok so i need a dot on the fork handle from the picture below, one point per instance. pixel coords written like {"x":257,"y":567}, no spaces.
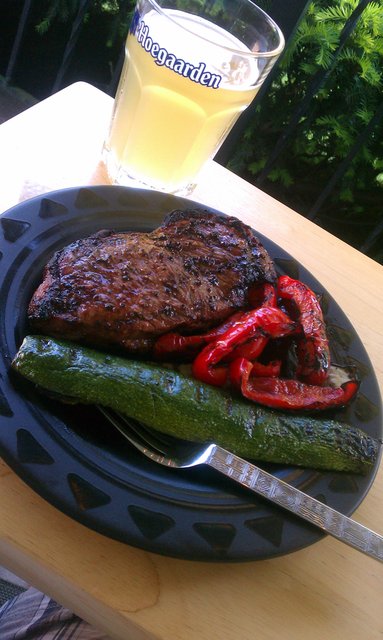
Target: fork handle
{"x":268,"y":486}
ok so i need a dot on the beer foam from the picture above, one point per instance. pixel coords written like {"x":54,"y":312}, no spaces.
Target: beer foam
{"x":198,"y":43}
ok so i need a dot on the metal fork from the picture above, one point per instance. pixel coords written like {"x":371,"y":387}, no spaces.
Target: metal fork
{"x":180,"y":454}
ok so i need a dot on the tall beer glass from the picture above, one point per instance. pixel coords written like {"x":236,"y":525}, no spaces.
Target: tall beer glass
{"x":191,"y":69}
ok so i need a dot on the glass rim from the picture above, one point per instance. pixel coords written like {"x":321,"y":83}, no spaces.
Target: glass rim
{"x":249,"y":54}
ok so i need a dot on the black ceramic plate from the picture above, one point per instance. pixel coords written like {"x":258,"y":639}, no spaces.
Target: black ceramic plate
{"x":73,"y":459}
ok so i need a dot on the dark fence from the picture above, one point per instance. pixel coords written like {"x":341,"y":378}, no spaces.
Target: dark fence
{"x":26,"y":18}
{"x":47,"y":45}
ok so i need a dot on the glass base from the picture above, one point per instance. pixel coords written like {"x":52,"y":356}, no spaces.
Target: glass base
{"x":119,"y":176}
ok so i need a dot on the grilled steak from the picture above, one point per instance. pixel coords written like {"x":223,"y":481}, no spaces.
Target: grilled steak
{"x":116,"y":289}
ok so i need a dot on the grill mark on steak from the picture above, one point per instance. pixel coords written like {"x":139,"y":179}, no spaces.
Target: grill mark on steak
{"x":116,"y":289}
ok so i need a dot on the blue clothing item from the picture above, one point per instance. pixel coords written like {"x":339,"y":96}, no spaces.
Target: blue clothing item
{"x":35,"y":616}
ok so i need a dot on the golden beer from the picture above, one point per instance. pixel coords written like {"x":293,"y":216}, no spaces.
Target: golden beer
{"x":184,"y":84}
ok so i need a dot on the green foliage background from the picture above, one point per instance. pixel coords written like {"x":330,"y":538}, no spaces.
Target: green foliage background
{"x":117,"y":12}
{"x":338,"y":113}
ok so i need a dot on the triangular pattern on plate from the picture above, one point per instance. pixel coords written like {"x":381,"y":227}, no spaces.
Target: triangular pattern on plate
{"x":13,"y":229}
{"x":86,"y":495}
{"x":30,"y":451}
{"x":151,"y":524}
{"x":219,"y":535}
{"x":51,"y":209}
{"x":87,"y":199}
{"x":270,"y":528}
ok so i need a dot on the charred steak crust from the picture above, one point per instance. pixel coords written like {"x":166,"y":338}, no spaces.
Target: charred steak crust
{"x":116,"y":289}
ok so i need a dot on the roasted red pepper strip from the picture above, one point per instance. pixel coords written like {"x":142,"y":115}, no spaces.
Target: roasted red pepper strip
{"x":269,"y":370}
{"x":250,"y":350}
{"x":269,"y":321}
{"x":241,"y":367}
{"x":280,"y":393}
{"x":263,"y":295}
{"x":254,"y":347}
{"x":214,"y":333}
{"x":174,"y":344}
{"x":313,"y":349}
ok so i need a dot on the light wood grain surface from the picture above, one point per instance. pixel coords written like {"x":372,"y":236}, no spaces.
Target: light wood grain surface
{"x":325,"y":591}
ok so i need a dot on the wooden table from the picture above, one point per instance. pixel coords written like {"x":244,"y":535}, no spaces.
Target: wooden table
{"x":325,"y":591}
